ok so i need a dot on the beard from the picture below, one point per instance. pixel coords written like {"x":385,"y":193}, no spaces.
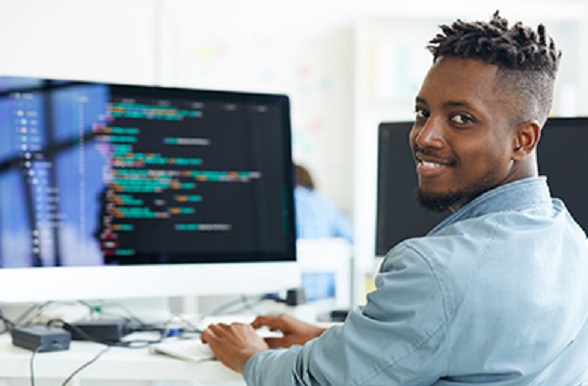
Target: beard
{"x":439,"y":202}
{"x":442,"y":201}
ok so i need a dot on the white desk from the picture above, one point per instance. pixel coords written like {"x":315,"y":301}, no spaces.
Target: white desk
{"x":118,"y":366}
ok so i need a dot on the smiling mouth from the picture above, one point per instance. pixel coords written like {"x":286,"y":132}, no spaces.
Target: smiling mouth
{"x":429,"y":168}
{"x":428,"y":164}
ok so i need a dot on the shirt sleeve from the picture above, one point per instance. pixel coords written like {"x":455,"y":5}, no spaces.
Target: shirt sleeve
{"x":396,"y":339}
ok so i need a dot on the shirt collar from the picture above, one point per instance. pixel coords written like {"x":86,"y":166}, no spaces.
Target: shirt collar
{"x":509,"y":197}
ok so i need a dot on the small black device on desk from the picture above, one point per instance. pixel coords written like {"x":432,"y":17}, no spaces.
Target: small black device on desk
{"x":41,"y":338}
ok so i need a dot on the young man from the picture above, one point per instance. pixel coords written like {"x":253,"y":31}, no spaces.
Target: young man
{"x":498,"y":292}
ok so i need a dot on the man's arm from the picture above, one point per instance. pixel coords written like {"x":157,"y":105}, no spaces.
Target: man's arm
{"x":398,"y":338}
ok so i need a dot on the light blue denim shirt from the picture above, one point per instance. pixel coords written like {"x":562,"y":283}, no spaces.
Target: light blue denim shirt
{"x":496,"y":294}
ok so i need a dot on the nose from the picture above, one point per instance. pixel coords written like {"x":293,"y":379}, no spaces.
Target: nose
{"x":428,"y":134}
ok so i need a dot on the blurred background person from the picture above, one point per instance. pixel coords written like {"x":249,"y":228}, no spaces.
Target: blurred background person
{"x":316,"y":215}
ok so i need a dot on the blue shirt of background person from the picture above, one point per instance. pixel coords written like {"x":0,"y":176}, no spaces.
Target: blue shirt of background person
{"x":316,"y":215}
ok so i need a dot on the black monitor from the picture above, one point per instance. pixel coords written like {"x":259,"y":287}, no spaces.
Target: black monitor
{"x":398,"y":215}
{"x":105,"y":175}
{"x":561,"y":157}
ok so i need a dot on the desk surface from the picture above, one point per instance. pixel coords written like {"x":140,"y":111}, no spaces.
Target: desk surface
{"x":116,"y":363}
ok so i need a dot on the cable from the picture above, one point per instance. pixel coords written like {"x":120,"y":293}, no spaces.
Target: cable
{"x":132,"y":344}
{"x":73,"y":374}
{"x":8,"y":324}
{"x":19,"y":319}
{"x":250,"y":305}
{"x":243,"y":301}
{"x":128,"y":344}
{"x":25,"y":318}
{"x":88,"y":363}
{"x":193,"y":328}
{"x":129,"y":315}
{"x":32,"y":366}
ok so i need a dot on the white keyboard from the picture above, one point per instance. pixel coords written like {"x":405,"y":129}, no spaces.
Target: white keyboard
{"x":188,"y":349}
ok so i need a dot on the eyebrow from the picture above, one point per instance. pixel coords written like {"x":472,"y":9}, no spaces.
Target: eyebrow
{"x":421,"y":100}
{"x":447,"y":104}
{"x":457,"y":104}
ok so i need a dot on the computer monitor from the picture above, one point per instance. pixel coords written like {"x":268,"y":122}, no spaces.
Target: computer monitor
{"x":561,"y":157}
{"x":120,"y":191}
{"x":398,"y":215}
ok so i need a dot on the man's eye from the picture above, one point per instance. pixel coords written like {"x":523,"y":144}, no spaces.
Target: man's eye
{"x":420,"y":113}
{"x":461,"y":119}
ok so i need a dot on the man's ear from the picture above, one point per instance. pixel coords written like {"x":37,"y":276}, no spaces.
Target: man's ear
{"x":526,"y":138}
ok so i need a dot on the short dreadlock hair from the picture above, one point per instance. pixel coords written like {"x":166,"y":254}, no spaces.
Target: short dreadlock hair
{"x":527,"y":60}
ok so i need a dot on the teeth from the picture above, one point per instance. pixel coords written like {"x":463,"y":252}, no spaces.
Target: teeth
{"x":430,"y":164}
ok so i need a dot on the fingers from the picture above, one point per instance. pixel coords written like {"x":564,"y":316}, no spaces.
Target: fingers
{"x":220,"y":335}
{"x":261,"y":321}
{"x":233,"y":344}
{"x":273,"y":322}
{"x":209,"y":334}
{"x":216,"y":332}
{"x":217,"y":328}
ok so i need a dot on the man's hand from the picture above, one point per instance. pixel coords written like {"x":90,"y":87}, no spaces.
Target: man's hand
{"x":294,"y":331}
{"x":233,"y":344}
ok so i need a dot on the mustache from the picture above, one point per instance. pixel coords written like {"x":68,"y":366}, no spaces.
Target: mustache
{"x":418,"y":151}
{"x":423,"y":150}
{"x":426,"y":152}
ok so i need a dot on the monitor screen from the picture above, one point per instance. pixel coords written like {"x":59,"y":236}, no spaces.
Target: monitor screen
{"x":561,"y":157}
{"x":398,"y":215}
{"x":108,"y":175}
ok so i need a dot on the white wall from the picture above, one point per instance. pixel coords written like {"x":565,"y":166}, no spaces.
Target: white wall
{"x":89,"y":40}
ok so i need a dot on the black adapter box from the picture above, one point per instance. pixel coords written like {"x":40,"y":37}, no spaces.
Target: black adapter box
{"x":41,"y":338}
{"x":100,"y":330}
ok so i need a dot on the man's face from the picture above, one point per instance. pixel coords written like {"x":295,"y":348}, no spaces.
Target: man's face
{"x":462,"y":138}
